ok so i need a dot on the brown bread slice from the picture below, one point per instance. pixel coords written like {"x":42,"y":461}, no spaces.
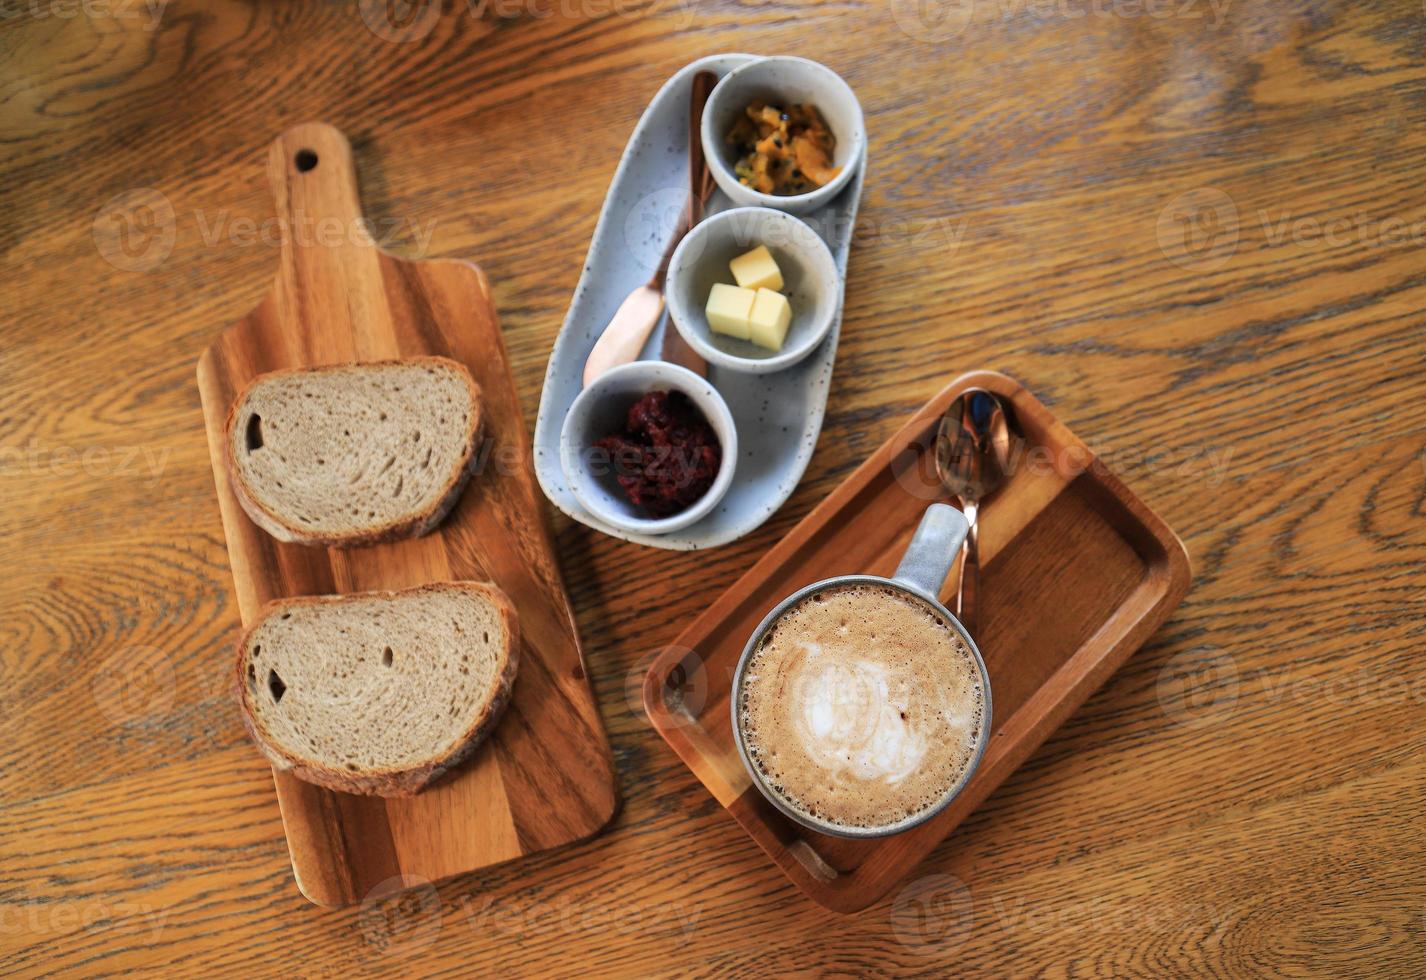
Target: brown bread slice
{"x":378,"y":692}
{"x":354,"y":454}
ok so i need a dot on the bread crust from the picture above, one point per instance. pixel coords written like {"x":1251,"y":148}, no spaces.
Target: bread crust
{"x":385,"y":782}
{"x":418,"y":524}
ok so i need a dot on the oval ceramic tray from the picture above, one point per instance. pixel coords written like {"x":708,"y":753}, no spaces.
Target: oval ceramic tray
{"x":778,"y":416}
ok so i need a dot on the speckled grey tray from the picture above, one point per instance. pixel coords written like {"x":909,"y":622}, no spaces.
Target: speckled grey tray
{"x":778,"y":415}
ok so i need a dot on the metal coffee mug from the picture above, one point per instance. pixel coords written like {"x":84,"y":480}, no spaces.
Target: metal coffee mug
{"x":920,"y":575}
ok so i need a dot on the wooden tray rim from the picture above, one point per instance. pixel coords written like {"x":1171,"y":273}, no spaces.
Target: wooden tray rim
{"x":1167,"y":577}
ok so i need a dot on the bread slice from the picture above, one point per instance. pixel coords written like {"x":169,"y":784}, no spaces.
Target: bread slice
{"x":378,"y":692}
{"x":356,"y":453}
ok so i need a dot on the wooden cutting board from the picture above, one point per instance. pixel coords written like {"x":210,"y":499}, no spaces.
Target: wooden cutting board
{"x":546,"y":777}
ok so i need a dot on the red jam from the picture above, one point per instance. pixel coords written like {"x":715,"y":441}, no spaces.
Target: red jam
{"x":667,"y":455}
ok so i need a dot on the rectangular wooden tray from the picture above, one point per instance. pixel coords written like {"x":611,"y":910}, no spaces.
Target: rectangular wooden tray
{"x":545,"y":777}
{"x":1076,"y":574}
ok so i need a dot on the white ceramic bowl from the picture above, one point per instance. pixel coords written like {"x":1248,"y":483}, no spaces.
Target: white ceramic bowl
{"x":599,"y":410}
{"x":781,"y":81}
{"x":811,"y":283}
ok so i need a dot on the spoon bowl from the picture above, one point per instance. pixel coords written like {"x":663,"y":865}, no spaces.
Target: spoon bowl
{"x":972,"y":455}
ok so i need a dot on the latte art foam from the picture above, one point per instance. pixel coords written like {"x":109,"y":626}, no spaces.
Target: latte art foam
{"x":850,"y":719}
{"x":861,"y":706}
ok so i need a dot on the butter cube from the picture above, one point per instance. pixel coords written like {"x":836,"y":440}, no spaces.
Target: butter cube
{"x":730,"y":309}
{"x":769,"y":320}
{"x":757,"y":270}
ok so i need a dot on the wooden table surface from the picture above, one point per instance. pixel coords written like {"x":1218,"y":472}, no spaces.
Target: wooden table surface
{"x":1194,"y":229}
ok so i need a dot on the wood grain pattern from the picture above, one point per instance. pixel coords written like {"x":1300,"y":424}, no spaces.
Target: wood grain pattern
{"x":1082,"y":574}
{"x":1261,"y":816}
{"x":544,"y":778}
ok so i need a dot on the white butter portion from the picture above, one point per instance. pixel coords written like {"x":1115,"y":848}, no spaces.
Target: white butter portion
{"x":769,"y":319}
{"x":730,"y":310}
{"x":757,"y":270}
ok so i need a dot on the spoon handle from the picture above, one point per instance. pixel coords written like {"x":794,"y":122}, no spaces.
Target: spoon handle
{"x":700,"y":182}
{"x":676,"y":350}
{"x":626,"y":334}
{"x":624,"y":337}
{"x":968,"y":595}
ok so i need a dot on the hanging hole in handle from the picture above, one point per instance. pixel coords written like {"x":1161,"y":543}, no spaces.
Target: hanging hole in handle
{"x":305,"y":160}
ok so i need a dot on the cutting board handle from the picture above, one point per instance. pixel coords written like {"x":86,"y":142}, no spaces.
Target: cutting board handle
{"x":329,"y":280}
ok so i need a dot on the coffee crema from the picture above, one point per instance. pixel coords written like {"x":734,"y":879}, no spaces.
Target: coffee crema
{"x":861,"y":706}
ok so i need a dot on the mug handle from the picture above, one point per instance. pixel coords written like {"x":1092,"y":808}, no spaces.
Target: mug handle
{"x":933,"y":550}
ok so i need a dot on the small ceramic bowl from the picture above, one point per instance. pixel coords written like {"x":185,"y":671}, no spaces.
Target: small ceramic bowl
{"x":599,"y":410}
{"x":783,"y":81}
{"x":811,"y":283}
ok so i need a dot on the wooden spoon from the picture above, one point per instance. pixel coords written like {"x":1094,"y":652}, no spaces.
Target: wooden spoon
{"x":634,"y":321}
{"x":676,"y":350}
